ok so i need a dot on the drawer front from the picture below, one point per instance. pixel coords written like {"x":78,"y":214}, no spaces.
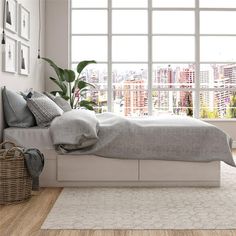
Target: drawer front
{"x":155,"y":170}
{"x":93,"y":168}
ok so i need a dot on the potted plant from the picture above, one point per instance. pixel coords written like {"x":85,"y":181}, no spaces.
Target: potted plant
{"x":72,"y":87}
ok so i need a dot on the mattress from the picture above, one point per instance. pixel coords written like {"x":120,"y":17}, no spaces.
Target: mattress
{"x":33,"y":137}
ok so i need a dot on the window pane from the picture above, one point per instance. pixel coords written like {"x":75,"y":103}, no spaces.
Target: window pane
{"x":217,"y":104}
{"x":173,"y":3}
{"x":218,"y":76}
{"x":174,"y":22}
{"x":100,"y":98}
{"x":132,"y":102}
{"x":172,"y":102}
{"x":89,"y":3}
{"x":95,"y":74}
{"x":217,"y":22}
{"x":173,"y":76}
{"x":129,"y":3}
{"x":129,"y":48}
{"x":125,"y":21}
{"x":89,"y":48}
{"x":220,"y":48}
{"x":130,"y":89}
{"x":82,"y":26}
{"x":176,"y":48}
{"x":123,"y":74}
{"x":218,"y":3}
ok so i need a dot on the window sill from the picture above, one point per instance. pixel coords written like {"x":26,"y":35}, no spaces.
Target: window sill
{"x":219,"y":120}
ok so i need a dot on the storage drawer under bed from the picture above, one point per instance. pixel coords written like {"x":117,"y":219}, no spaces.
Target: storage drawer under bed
{"x":91,"y":168}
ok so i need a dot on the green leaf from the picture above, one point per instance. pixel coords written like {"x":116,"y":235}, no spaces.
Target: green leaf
{"x":69,"y":75}
{"x":50,"y":62}
{"x":59,"y":71}
{"x":81,"y":84}
{"x":60,"y":84}
{"x":61,"y":74}
{"x":87,"y":104}
{"x":83,"y":64}
{"x":64,"y":96}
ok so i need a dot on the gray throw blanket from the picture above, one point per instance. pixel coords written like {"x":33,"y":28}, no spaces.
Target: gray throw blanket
{"x":34,"y":160}
{"x":170,"y":138}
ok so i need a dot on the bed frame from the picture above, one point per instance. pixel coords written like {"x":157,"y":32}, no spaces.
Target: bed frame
{"x":86,"y":171}
{"x":95,"y":171}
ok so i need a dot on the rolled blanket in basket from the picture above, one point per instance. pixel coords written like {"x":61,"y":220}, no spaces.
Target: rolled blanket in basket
{"x":34,"y":160}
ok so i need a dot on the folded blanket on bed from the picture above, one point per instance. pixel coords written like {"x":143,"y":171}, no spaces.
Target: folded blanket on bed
{"x":172,"y":138}
{"x":75,"y":129}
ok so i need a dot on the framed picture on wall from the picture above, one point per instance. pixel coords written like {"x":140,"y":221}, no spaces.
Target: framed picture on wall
{"x":9,"y":55}
{"x":24,"y":59}
{"x":24,"y":23}
{"x":10,"y":19}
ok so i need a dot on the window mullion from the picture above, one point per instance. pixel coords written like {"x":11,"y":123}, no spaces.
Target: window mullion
{"x":197,"y":61}
{"x":150,"y":57}
{"x":109,"y":92}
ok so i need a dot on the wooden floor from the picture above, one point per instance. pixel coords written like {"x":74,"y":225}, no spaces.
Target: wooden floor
{"x":26,"y":219}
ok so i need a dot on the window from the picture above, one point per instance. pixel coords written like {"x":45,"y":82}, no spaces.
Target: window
{"x":158,"y":56}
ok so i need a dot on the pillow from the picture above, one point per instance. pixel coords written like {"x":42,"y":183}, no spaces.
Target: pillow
{"x":29,"y":94}
{"x":16,"y":112}
{"x":37,"y":95}
{"x":61,"y":102}
{"x":44,"y":110}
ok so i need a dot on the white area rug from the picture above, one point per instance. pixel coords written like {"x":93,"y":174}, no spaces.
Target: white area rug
{"x":147,"y":208}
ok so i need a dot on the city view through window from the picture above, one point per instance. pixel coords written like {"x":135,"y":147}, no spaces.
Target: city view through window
{"x":157,"y":57}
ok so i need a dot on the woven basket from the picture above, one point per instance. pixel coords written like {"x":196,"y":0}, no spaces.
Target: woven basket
{"x":15,"y":181}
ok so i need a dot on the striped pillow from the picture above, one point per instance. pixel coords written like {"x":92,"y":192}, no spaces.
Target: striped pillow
{"x":44,"y":110}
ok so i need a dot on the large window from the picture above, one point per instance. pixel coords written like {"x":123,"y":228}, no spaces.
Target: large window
{"x":158,"y":56}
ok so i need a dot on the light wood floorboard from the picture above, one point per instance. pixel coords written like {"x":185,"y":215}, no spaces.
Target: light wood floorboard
{"x":25,"y":219}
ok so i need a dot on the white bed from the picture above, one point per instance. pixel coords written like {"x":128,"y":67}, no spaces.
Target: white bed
{"x":91,"y":170}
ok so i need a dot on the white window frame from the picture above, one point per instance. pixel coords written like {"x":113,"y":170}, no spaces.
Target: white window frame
{"x":196,"y":89}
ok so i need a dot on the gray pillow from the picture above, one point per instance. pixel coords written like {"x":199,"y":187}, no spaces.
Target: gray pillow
{"x":62,"y":103}
{"x":16,"y":112}
{"x":37,"y":95}
{"x":44,"y":110}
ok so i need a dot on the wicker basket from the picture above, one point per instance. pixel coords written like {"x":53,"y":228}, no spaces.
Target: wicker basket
{"x":15,"y":181}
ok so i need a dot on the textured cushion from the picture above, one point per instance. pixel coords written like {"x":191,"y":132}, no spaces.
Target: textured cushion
{"x":62,"y":103}
{"x":44,"y":110}
{"x":37,"y":94}
{"x":16,"y":111}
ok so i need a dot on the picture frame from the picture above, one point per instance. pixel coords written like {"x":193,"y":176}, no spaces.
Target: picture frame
{"x":24,"y":23}
{"x":9,"y":55}
{"x":10,"y":18}
{"x":24,"y":59}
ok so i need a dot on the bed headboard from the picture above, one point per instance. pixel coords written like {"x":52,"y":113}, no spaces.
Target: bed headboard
{"x":2,"y":122}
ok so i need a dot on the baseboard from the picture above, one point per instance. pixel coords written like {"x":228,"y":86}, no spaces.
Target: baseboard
{"x":234,"y":144}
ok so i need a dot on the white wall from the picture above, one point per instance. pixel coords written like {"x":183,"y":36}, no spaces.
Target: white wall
{"x":36,"y":79}
{"x":57,"y":41}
